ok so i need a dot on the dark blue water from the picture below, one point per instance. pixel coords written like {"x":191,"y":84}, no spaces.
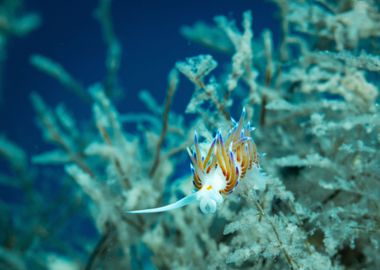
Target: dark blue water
{"x":151,"y":42}
{"x":149,"y":33}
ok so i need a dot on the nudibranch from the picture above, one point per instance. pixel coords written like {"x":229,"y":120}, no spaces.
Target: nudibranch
{"x":218,"y":171}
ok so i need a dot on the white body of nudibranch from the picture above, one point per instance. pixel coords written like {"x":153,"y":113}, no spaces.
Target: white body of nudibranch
{"x":217,"y":172}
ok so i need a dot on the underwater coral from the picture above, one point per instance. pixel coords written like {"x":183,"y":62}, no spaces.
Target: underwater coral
{"x":292,"y":183}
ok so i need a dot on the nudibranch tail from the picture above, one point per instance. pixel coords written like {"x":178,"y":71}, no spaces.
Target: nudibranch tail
{"x":178,"y":204}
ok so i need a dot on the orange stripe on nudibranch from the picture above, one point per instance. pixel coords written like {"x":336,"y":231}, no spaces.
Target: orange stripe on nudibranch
{"x":209,"y":153}
{"x":197,"y":151}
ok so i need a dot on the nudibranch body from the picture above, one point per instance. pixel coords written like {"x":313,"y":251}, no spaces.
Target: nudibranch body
{"x":218,"y":171}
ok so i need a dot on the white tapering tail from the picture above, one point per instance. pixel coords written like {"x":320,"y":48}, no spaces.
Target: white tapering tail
{"x":182,"y":202}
